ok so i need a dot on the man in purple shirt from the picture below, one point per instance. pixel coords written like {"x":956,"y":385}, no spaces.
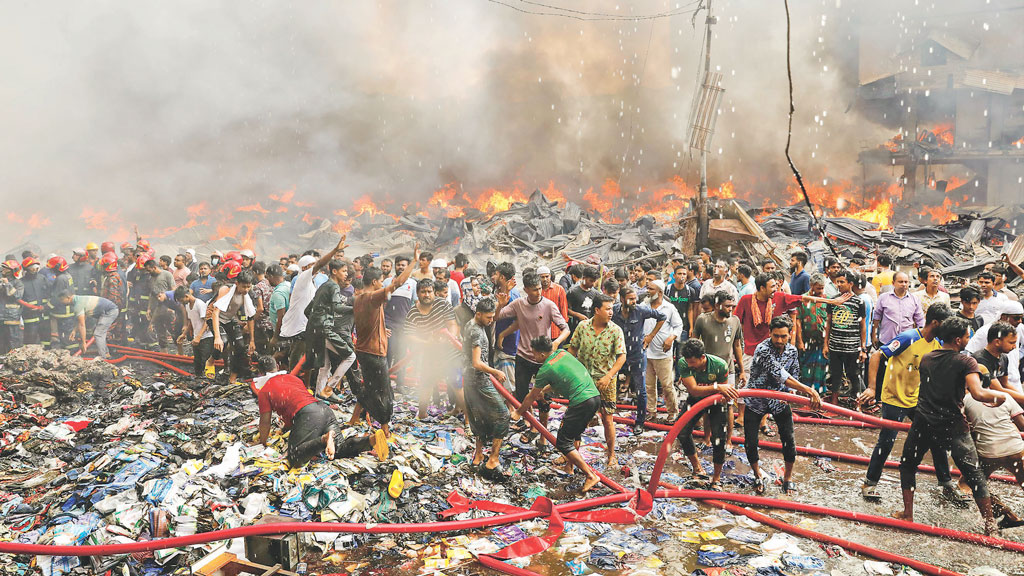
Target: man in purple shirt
{"x":895,"y":311}
{"x":532,"y":316}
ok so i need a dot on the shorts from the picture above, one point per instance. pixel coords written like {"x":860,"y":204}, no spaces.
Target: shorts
{"x":575,"y":422}
{"x":609,"y":396}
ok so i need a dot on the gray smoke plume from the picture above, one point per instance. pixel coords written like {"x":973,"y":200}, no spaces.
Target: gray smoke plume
{"x":130,"y":112}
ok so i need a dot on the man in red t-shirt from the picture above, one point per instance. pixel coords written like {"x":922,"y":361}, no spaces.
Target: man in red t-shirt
{"x":313,"y":426}
{"x":755,"y":312}
{"x":556,"y":294}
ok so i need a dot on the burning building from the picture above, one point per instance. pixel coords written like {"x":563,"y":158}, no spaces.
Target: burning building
{"x":951,"y":84}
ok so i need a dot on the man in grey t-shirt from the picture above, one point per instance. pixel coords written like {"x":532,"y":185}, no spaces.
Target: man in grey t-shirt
{"x":722,"y":334}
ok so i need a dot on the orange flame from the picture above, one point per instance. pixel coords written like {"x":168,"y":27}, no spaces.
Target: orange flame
{"x":493,"y":200}
{"x":941,"y":214}
{"x":257,"y":207}
{"x":443,"y":199}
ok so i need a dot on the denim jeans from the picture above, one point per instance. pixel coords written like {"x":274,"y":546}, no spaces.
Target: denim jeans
{"x":637,"y":372}
{"x":886,"y":439}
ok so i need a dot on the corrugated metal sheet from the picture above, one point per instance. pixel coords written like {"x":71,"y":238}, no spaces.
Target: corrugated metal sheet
{"x":991,"y":81}
{"x":960,"y":46}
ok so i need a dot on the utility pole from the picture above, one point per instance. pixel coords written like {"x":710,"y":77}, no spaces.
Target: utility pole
{"x":702,"y":194}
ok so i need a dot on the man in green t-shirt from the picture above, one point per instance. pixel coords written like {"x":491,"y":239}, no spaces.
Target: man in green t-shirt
{"x":703,"y":375}
{"x":564,"y":375}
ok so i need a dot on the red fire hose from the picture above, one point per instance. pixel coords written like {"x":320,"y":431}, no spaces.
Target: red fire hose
{"x":847,"y":544}
{"x":153,"y":360}
{"x":297,"y":527}
{"x":752,"y":500}
{"x":87,"y":344}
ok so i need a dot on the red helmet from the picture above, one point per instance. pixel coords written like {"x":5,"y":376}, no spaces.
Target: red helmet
{"x":233,"y":256}
{"x":57,"y":264}
{"x":108,"y":263}
{"x":144,"y":246}
{"x":231,"y":269}
{"x":140,"y":262}
{"x":107,"y":248}
{"x":79,"y":254}
{"x":126,"y":246}
{"x":30,"y":261}
{"x":13,"y":266}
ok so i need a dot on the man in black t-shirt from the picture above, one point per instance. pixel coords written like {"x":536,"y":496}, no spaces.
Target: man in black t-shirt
{"x":946,"y":375}
{"x":581,"y":297}
{"x":686,"y":300}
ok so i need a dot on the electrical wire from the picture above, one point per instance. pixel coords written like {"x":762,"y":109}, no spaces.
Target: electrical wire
{"x":789,"y":139}
{"x":592,"y":16}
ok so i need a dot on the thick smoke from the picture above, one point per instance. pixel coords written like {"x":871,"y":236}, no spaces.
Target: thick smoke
{"x":139,"y":110}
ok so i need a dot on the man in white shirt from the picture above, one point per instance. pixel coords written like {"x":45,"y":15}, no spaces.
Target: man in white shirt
{"x":293,"y":326}
{"x":720,"y":281}
{"x":997,"y":437}
{"x":196,"y":330}
{"x":659,"y":353}
{"x":991,"y":301}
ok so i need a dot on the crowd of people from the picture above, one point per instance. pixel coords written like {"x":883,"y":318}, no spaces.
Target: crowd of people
{"x":664,"y":334}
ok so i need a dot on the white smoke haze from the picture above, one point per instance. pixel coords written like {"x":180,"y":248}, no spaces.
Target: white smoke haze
{"x":138,"y":110}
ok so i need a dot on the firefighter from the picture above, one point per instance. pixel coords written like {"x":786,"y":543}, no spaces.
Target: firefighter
{"x":112,"y":287}
{"x":127,"y":255}
{"x":62,"y":318}
{"x":83,"y":272}
{"x":92,"y":253}
{"x":11,"y":293}
{"x":139,"y":288}
{"x":34,"y":313}
{"x":231,"y":314}
{"x":248,"y":257}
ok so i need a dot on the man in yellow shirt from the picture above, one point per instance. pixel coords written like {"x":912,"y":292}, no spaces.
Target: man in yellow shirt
{"x":883,"y":276}
{"x":902,"y":382}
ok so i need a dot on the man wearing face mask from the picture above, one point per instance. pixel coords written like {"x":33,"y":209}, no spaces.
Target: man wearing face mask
{"x":33,"y":303}
{"x":630,"y":317}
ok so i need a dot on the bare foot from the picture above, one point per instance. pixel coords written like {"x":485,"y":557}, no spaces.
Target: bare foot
{"x":330,"y":445}
{"x":613,"y":462}
{"x":901,"y":515}
{"x":558,"y":461}
{"x":589,"y":484}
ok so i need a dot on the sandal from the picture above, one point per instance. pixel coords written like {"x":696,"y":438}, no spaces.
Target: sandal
{"x":768,"y":429}
{"x":528,"y":436}
{"x":870,"y":492}
{"x":759,"y":487}
{"x":787,"y":487}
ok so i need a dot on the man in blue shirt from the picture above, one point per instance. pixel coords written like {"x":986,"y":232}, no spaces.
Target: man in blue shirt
{"x":800,"y":281}
{"x":630,"y":317}
{"x":202,"y":287}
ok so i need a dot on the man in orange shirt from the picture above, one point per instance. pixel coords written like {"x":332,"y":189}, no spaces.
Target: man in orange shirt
{"x":554,"y":292}
{"x":375,"y":394}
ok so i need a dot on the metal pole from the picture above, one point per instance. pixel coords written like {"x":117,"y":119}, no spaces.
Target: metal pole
{"x":702,"y":193}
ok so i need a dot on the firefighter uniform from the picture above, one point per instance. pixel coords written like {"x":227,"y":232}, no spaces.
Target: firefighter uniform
{"x":61,"y":314}
{"x":33,"y":309}
{"x":138,"y":308}
{"x":11,"y":293}
{"x":83,"y":273}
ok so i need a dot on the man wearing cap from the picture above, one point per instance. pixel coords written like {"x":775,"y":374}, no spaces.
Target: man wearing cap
{"x":554,"y":292}
{"x":191,"y":262}
{"x":439,"y":268}
{"x":1012,"y":312}
{"x":705,"y":257}
{"x":660,"y":351}
{"x":293,"y":326}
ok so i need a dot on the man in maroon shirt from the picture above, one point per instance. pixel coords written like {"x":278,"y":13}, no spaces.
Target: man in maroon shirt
{"x":313,"y":426}
{"x":756,"y":311}
{"x":375,"y":396}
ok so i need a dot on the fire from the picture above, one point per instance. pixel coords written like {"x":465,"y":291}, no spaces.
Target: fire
{"x":553,"y":194}
{"x":1018,"y":143}
{"x":603,"y":201}
{"x":493,"y":200}
{"x":879,"y":213}
{"x":443,"y":199}
{"x":257,"y":207}
{"x":365,"y":205}
{"x":34,"y":221}
{"x":944,"y":134}
{"x":725,"y":191}
{"x":284,"y":197}
{"x":941,"y":214}
{"x":96,"y":219}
